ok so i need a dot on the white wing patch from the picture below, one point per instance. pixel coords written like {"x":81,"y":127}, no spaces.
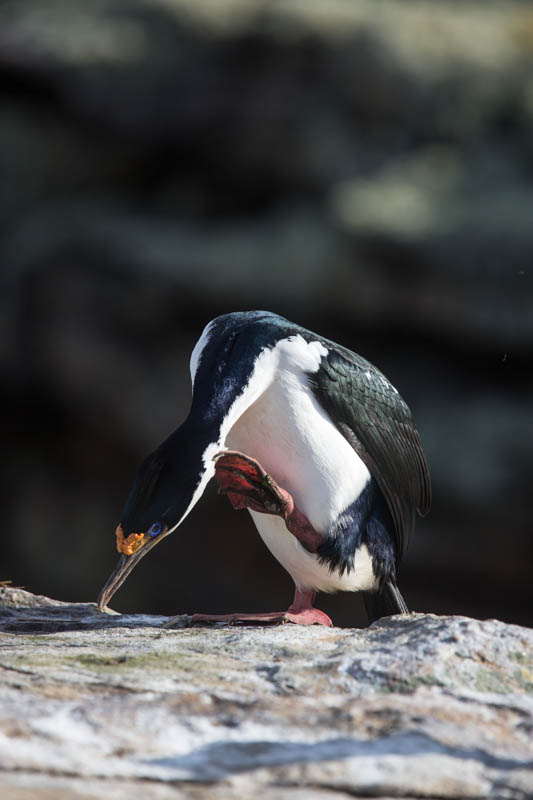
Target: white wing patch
{"x":198,"y":349}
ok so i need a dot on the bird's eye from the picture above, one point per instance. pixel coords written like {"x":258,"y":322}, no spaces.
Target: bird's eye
{"x":156,"y":529}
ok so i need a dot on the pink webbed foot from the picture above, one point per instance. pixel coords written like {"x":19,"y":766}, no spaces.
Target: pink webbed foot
{"x":271,"y":618}
{"x":248,"y":485}
{"x":311,"y":616}
{"x":300,"y":612}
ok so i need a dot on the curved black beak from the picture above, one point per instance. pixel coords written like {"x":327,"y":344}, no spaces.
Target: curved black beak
{"x":125,"y":565}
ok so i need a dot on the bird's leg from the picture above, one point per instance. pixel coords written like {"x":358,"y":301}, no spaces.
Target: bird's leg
{"x":248,"y":485}
{"x":302,"y":612}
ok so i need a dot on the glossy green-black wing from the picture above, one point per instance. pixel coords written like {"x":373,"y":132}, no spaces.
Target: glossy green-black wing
{"x":372,"y":416}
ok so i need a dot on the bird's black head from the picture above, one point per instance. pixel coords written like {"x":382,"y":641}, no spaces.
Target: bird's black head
{"x":163,"y":492}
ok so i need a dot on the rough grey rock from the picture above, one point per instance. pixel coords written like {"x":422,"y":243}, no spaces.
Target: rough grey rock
{"x":97,"y":705}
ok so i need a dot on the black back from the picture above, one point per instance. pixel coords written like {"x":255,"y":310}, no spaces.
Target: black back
{"x":372,"y":416}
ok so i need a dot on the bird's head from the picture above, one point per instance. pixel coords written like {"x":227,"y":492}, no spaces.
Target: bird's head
{"x":167,"y":485}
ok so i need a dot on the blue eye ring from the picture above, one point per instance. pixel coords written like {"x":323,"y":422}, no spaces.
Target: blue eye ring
{"x":155,"y":529}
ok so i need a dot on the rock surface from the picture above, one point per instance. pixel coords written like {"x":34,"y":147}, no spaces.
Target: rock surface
{"x":96,"y":705}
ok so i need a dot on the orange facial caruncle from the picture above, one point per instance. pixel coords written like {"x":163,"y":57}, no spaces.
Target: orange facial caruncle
{"x":128,"y":544}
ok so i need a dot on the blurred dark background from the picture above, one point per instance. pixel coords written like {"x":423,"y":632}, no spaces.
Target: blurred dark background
{"x":363,"y":168}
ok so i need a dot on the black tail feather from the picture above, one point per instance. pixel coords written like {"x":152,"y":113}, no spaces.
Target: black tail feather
{"x":384,"y":603}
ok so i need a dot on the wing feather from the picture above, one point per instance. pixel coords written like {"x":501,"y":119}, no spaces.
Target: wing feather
{"x":374,"y":419}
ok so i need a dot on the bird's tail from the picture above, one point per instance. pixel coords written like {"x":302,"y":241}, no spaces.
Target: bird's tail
{"x":385,"y":602}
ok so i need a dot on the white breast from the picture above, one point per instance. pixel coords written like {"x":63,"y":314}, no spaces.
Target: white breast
{"x":294,"y":439}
